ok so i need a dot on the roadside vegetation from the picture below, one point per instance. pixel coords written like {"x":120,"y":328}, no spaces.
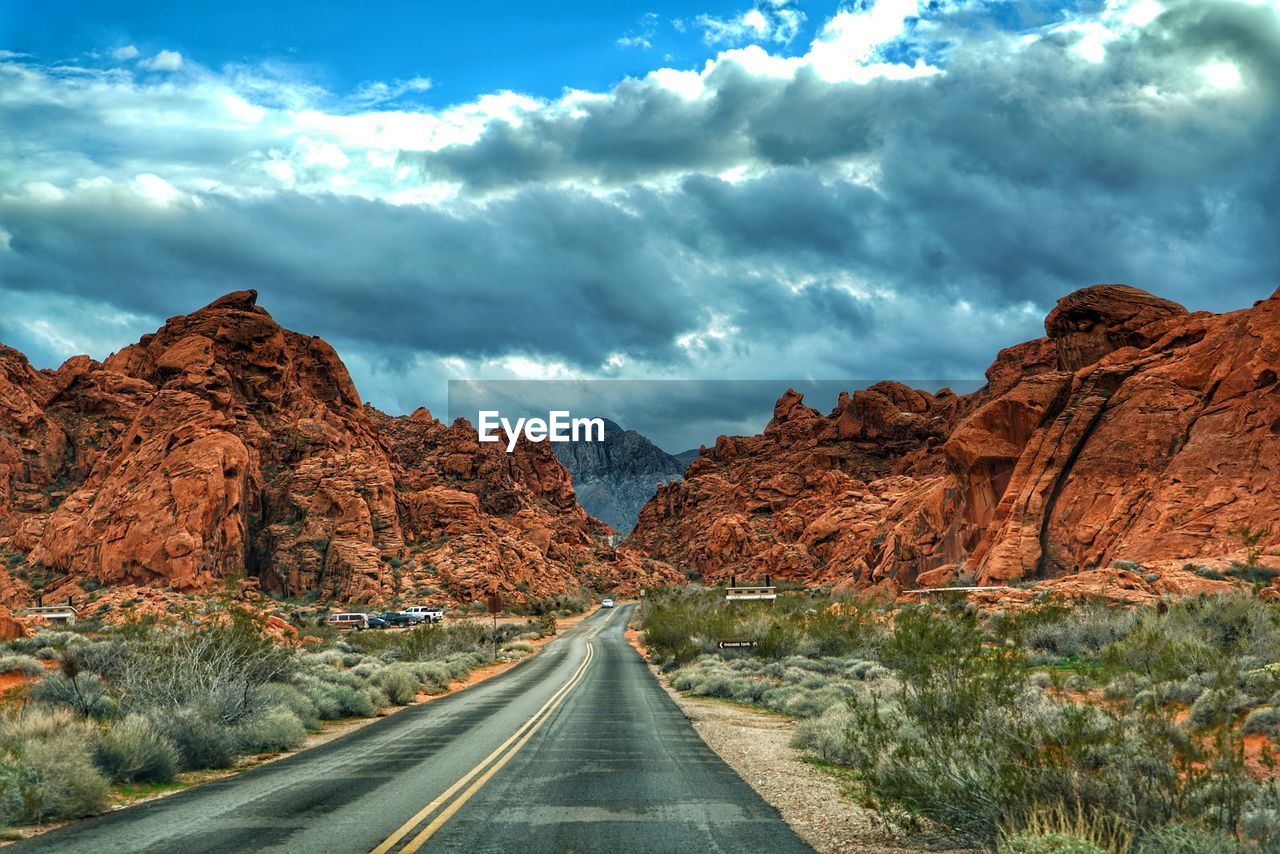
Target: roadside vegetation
{"x":1085,"y":728}
{"x":109,"y":710}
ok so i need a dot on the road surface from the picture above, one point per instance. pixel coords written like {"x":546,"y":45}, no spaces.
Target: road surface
{"x":577,"y":749}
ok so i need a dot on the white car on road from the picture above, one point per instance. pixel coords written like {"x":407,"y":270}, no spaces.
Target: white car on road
{"x":606,"y":603}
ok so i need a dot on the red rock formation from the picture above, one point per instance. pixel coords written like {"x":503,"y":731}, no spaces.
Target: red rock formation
{"x":1133,"y":431}
{"x":225,"y":446}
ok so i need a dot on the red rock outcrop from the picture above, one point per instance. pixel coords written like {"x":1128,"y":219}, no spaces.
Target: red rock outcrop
{"x":224,"y":446}
{"x":1134,"y":431}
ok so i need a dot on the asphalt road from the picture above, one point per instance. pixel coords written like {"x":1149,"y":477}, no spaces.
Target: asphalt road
{"x":577,"y":749}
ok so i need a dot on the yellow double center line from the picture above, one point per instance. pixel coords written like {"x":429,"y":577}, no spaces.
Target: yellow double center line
{"x":502,"y":755}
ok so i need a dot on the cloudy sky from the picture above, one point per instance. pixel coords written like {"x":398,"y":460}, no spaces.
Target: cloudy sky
{"x":886,"y":188}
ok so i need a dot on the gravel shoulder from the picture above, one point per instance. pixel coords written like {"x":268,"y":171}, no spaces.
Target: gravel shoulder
{"x":756,"y":744}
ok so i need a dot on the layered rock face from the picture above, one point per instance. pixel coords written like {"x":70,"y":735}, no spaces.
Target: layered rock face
{"x":1133,"y":431}
{"x":226,"y":446}
{"x":615,"y":478}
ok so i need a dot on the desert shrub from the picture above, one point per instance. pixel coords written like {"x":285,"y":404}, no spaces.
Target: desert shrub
{"x":518,"y":646}
{"x":1077,"y":684}
{"x":1075,"y":632}
{"x":319,"y":695}
{"x":270,"y":731}
{"x":461,"y":664}
{"x":825,"y":736}
{"x":439,"y":641}
{"x":1040,"y":679}
{"x":1216,"y":707}
{"x":218,"y":666}
{"x":399,"y":683}
{"x":1052,"y":829}
{"x":351,"y":702}
{"x":368,"y":668}
{"x":19,"y":663}
{"x":1124,"y":686}
{"x":1186,"y":838}
{"x":46,"y":767}
{"x":82,"y":692}
{"x":202,"y":740}
{"x":1262,"y":719}
{"x":131,"y":750}
{"x":278,"y":695}
{"x":963,"y":743}
{"x":1031,"y":842}
{"x":434,"y":675}
{"x":547,"y":625}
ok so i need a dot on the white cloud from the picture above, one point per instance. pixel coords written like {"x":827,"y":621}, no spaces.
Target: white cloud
{"x":1221,"y":75}
{"x":124,"y":54}
{"x":165,"y":60}
{"x":776,"y":21}
{"x":6,"y":240}
{"x":155,"y":189}
{"x":377,"y":92}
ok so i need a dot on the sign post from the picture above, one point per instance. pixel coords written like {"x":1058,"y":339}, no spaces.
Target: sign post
{"x":495,"y":605}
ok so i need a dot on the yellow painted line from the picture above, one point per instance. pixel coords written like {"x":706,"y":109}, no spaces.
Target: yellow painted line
{"x":448,"y":793}
{"x":439,"y":821}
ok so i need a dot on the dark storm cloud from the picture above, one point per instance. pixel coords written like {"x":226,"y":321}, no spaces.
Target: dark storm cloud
{"x":899,"y":228}
{"x":644,"y":129}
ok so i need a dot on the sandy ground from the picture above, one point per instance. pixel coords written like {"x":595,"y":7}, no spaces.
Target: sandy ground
{"x":756,"y":744}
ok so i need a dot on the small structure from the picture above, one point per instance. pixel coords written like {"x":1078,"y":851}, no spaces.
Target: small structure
{"x":59,"y":614}
{"x":739,"y":594}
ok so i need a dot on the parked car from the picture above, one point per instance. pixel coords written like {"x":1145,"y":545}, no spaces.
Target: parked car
{"x":399,"y":619}
{"x":348,"y":621}
{"x":373,"y":621}
{"x":606,"y":603}
{"x":429,"y":613}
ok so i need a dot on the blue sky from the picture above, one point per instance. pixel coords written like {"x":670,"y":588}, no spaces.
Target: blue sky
{"x":466,"y":49}
{"x":723,"y":190}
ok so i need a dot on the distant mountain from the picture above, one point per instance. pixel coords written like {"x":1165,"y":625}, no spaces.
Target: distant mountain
{"x":614,"y":478}
{"x":686,"y":457}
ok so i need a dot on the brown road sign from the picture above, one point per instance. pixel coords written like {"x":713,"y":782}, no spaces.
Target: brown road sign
{"x":736,"y":644}
{"x":495,"y":603}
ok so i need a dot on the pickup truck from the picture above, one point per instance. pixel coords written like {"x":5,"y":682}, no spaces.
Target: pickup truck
{"x":428,"y":613}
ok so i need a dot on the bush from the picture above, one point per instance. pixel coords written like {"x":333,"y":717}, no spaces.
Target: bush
{"x":1187,"y":839}
{"x":518,"y":646}
{"x":18,"y":663}
{"x":1030,"y":842}
{"x":202,"y":741}
{"x":434,"y":675}
{"x":46,"y":767}
{"x":399,"y":683}
{"x":277,"y":695}
{"x":1216,"y":707}
{"x":132,"y":751}
{"x":1263,"y":719}
{"x":270,"y":732}
{"x":825,"y":736}
{"x":84,"y":693}
{"x":351,"y":702}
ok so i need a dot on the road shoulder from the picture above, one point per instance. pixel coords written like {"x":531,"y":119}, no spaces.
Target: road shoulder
{"x":757,"y":745}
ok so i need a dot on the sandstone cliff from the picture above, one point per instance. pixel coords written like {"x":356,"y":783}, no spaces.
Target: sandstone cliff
{"x":224,"y":446}
{"x":1134,"y":431}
